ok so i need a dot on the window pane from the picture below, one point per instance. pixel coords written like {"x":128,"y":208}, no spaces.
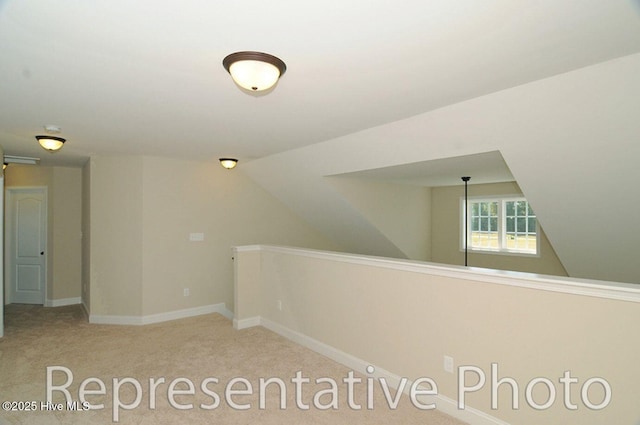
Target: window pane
{"x":511,"y":224}
{"x":494,"y":244}
{"x":493,"y":224}
{"x":510,"y":240}
{"x":475,"y":224}
{"x":522,"y":208}
{"x":484,"y":224}
{"x":484,"y":240}
{"x":474,"y":208}
{"x":521,"y":224}
{"x":510,"y":208}
{"x":532,"y":225}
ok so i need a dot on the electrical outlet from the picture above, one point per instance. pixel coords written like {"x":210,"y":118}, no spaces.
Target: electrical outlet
{"x":279,"y":305}
{"x":186,"y":292}
{"x":448,"y":364}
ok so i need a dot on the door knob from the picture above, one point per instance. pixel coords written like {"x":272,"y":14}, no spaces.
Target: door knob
{"x":41,"y":252}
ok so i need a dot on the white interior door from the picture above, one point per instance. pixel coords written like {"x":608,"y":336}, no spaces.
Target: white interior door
{"x":27,"y":231}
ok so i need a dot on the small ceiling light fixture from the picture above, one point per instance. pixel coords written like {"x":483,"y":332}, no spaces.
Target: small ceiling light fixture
{"x":51,"y":143}
{"x":228,"y":163}
{"x":254,"y":71}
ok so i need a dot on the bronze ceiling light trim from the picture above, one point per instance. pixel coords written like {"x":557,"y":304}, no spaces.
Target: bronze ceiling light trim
{"x":254,"y":71}
{"x":51,"y":143}
{"x":228,"y":163}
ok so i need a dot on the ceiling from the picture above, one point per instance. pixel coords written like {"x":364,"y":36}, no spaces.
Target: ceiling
{"x":146,"y":77}
{"x":483,"y":168}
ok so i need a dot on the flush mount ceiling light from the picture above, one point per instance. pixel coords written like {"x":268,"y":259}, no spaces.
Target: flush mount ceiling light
{"x":51,"y":143}
{"x":254,"y":71}
{"x":228,"y":163}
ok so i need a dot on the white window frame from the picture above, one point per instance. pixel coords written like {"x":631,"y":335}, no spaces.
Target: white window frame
{"x":466,"y":217}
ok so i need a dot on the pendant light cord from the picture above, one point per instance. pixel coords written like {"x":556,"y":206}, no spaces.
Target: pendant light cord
{"x":466,"y":220}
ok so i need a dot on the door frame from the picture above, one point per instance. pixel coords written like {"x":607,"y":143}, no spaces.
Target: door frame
{"x":9,"y":233}
{"x":2,"y":232}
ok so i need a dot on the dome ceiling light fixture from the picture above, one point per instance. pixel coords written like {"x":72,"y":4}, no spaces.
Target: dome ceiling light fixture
{"x":254,"y":71}
{"x":51,"y":143}
{"x":228,"y":163}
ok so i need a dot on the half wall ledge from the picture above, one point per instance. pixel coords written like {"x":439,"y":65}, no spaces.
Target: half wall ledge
{"x":404,"y":318}
{"x":576,"y":286}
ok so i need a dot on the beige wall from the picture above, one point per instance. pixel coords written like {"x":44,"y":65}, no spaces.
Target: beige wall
{"x":2,"y":252}
{"x":142,"y":211}
{"x":405,"y":317}
{"x":67,"y":232}
{"x":115,"y":250}
{"x":64,"y":194}
{"x":401,"y":212}
{"x":446,"y":234}
{"x":86,"y":236}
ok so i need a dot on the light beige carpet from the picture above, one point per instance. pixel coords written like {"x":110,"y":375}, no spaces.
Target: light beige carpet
{"x":195,"y":349}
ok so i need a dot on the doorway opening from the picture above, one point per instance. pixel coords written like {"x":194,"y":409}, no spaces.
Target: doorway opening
{"x":26,"y":245}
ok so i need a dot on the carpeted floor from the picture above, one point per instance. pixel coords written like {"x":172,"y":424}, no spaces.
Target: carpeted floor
{"x":199,"y":349}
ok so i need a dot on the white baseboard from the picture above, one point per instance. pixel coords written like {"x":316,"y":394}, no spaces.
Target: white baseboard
{"x":63,"y":302}
{"x":443,"y":404}
{"x":162,"y":317}
{"x":246,"y":323}
{"x":115,"y":320}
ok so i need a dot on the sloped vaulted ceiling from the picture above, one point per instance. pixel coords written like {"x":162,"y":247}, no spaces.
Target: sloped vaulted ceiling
{"x":571,"y":142}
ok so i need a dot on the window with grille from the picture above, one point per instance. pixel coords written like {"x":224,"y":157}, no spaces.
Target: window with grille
{"x":506,"y":225}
